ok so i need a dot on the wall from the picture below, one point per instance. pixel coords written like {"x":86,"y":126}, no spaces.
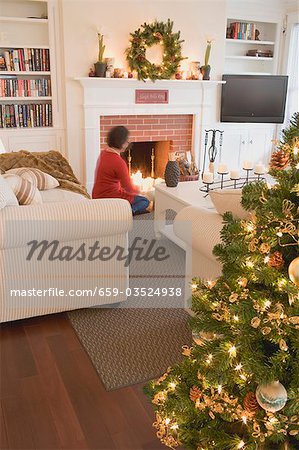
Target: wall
{"x":196,"y":19}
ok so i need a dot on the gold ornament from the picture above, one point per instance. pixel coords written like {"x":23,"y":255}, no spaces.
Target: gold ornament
{"x":283,"y":345}
{"x":265,"y":248}
{"x":266,"y":330}
{"x":255,"y":322}
{"x":294,"y":271}
{"x":279,"y":160}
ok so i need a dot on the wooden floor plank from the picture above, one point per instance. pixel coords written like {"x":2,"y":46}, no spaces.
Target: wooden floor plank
{"x":49,"y":384}
{"x":3,"y":433}
{"x":37,"y":408}
{"x":66,"y":422}
{"x":85,"y":399}
{"x":17,"y":421}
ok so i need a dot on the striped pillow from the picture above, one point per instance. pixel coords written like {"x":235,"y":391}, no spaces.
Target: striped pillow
{"x":41,"y":180}
{"x":26,"y":192}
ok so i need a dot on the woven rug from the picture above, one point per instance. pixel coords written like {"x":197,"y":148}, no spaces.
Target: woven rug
{"x":129,"y":346}
{"x":141,"y":338}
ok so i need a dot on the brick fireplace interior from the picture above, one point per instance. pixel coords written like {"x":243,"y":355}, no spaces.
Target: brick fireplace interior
{"x":156,"y":135}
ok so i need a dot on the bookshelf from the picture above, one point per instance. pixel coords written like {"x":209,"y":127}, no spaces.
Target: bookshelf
{"x":242,"y":40}
{"x":30,"y":84}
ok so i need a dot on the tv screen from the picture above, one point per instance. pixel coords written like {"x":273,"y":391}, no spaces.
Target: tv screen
{"x":253,"y":98}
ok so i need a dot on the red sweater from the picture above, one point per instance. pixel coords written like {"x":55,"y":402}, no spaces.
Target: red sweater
{"x":112,"y":178}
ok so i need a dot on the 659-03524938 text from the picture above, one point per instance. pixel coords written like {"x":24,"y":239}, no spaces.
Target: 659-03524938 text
{"x":98,"y":292}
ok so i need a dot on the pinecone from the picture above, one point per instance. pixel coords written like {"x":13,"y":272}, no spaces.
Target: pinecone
{"x":195,"y":393}
{"x":276,"y":260}
{"x":279,"y":160}
{"x":250,"y":403}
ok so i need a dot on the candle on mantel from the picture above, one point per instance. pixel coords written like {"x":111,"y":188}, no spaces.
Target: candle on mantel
{"x":222,"y":169}
{"x":247,"y":165}
{"x":208,"y":177}
{"x":259,"y":169}
{"x":235,"y":175}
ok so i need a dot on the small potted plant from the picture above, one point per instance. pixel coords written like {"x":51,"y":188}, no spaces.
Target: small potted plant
{"x":206,"y":69}
{"x":100,"y":65}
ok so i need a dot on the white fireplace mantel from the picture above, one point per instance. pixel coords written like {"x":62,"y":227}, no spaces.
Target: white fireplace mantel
{"x":116,"y":96}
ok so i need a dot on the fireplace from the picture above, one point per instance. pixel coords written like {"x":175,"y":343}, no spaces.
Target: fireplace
{"x":112,"y":101}
{"x":150,"y":158}
{"x":152,"y":138}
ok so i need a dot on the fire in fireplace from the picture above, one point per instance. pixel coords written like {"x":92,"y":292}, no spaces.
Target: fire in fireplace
{"x":146,"y":162}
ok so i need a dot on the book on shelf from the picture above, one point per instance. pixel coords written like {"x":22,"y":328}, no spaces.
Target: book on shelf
{"x":26,"y":115}
{"x":25,"y":60}
{"x":242,"y":30}
{"x":11,"y":86}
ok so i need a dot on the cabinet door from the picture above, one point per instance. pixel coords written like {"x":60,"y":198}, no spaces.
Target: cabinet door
{"x":259,"y":145}
{"x":33,"y":143}
{"x":234,"y":143}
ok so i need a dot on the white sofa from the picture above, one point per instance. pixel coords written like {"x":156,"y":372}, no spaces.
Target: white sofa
{"x":206,"y":225}
{"x":72,"y":220}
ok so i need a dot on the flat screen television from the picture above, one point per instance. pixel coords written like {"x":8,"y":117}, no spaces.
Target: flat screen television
{"x":253,"y":98}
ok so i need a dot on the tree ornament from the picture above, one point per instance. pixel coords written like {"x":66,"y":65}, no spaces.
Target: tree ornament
{"x":294,"y":271}
{"x":276,"y":260}
{"x":203,"y":336}
{"x":271,"y":397}
{"x":195,"y":393}
{"x":279,"y":160}
{"x":151,"y":34}
{"x":250,"y":403}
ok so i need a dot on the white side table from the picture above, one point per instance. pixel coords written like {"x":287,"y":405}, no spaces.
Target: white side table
{"x":186,"y":193}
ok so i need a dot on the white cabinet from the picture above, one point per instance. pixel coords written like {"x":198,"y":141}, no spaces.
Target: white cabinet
{"x":240,"y":144}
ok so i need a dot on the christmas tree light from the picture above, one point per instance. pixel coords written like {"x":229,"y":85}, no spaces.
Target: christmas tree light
{"x":238,"y":383}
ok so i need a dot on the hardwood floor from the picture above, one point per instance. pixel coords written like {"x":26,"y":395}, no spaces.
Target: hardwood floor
{"x":52,"y":398}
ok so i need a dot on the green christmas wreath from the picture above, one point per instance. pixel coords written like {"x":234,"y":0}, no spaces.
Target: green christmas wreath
{"x":148,"y":35}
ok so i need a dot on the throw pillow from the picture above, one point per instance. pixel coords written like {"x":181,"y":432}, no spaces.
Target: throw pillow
{"x":26,"y":192}
{"x":229,"y":200}
{"x":41,"y":180}
{"x":7,"y":196}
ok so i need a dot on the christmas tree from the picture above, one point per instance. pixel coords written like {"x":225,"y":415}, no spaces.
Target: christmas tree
{"x":237,"y":386}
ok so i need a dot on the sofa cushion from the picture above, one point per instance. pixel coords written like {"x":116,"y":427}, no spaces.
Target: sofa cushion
{"x":61,"y":195}
{"x":229,"y":200}
{"x":41,"y":180}
{"x":26,"y":192}
{"x":7,"y":196}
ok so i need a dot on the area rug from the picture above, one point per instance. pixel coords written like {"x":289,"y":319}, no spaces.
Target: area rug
{"x":129,"y":346}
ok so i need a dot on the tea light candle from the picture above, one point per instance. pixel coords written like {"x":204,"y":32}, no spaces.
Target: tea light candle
{"x":208,"y":178}
{"x":234,"y":175}
{"x":259,"y":169}
{"x":247,"y":165}
{"x":222,"y":169}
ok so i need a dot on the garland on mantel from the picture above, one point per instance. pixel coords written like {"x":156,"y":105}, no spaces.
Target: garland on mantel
{"x":151,"y":34}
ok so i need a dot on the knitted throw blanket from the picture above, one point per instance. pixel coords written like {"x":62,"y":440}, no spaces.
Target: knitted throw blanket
{"x":51,"y":162}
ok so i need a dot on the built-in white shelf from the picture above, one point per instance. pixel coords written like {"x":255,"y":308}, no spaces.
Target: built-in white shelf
{"x":15,"y":46}
{"x":248,"y":41}
{"x":10,"y":72}
{"x":22,"y":99}
{"x":249,"y":58}
{"x":23,"y":19}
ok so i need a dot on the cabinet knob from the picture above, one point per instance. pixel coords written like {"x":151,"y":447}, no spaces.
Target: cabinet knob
{"x":251,"y":141}
{"x":243,"y":142}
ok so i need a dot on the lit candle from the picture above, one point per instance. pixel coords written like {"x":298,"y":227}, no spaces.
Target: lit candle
{"x":259,"y":169}
{"x":234,"y":175}
{"x":222,"y":168}
{"x":247,"y":165}
{"x":208,"y":178}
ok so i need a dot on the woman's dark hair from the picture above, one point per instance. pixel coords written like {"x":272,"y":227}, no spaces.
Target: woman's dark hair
{"x":117,"y":136}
